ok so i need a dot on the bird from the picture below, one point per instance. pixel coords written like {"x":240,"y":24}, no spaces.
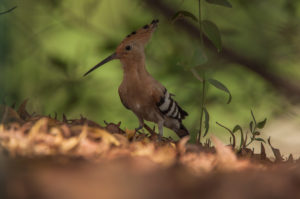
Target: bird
{"x":139,"y":92}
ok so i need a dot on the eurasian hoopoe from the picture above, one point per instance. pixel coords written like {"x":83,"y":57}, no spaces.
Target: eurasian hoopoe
{"x":139,"y":91}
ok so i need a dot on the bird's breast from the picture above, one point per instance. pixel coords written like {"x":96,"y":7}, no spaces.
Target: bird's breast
{"x":138,"y":98}
{"x":134,"y":96}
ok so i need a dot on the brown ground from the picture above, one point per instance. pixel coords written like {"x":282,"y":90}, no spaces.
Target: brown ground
{"x":43,"y":157}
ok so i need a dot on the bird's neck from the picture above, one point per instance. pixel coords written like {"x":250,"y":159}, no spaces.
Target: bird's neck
{"x":134,"y":68}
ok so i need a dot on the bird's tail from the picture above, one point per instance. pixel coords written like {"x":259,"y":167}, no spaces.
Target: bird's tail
{"x":182,"y":131}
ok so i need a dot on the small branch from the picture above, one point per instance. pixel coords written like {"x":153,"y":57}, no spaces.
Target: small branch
{"x":7,"y":11}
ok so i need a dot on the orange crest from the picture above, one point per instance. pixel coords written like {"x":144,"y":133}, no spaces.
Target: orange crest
{"x":131,"y":49}
{"x":137,"y":39}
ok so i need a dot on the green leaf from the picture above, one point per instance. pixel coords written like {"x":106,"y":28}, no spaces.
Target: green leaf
{"x":206,"y":121}
{"x":261,"y":124}
{"x":212,"y":32}
{"x":253,"y":117}
{"x":260,"y":139}
{"x":220,"y":86}
{"x":236,"y":128}
{"x":231,"y":133}
{"x":251,"y":126}
{"x":224,"y":127}
{"x":183,"y":13}
{"x":220,"y":3}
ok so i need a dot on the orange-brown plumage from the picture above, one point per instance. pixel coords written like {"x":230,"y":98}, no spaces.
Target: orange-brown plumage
{"x":139,"y":91}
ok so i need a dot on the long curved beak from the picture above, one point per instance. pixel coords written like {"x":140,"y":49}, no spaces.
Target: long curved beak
{"x":109,"y":58}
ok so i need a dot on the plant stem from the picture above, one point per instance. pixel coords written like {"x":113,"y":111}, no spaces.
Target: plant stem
{"x":202,"y":109}
{"x":232,"y":134}
{"x":203,"y":82}
{"x":252,"y":139}
{"x":200,"y":23}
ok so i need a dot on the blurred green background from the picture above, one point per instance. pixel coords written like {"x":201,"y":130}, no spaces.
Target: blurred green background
{"x":46,"y":47}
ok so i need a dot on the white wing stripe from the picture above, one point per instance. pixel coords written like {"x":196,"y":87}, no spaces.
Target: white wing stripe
{"x":175,"y":113}
{"x":164,"y":106}
{"x":172,"y":109}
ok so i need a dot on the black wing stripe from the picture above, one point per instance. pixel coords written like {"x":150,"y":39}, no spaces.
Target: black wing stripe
{"x":175,"y":112}
{"x":170,"y":108}
{"x":162,"y":99}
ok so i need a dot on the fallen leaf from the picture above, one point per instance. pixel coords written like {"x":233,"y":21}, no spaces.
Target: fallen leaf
{"x":8,"y":115}
{"x":39,"y":127}
{"x":181,"y":148}
{"x":23,"y":112}
{"x":226,"y":160}
{"x":69,"y":144}
{"x":104,"y":135}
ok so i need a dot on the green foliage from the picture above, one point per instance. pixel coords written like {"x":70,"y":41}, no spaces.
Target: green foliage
{"x":254,"y":120}
{"x":239,"y":128}
{"x":260,"y":139}
{"x":212,"y":32}
{"x":206,"y":121}
{"x":222,"y":87}
{"x":261,"y":124}
{"x":230,"y":131}
{"x":253,"y":126}
{"x":253,"y":129}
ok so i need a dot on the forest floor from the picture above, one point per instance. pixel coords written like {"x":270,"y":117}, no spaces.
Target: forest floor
{"x":42,"y":157}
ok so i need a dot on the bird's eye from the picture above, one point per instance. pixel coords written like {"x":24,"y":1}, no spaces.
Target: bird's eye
{"x":128,"y":47}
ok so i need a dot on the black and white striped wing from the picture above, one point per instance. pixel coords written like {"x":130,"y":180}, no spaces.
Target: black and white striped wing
{"x":170,"y":108}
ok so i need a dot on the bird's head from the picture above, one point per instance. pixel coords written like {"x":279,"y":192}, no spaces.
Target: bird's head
{"x":132,"y":47}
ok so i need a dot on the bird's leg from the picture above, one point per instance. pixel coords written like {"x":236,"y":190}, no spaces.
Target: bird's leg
{"x":160,"y":125}
{"x":141,"y":124}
